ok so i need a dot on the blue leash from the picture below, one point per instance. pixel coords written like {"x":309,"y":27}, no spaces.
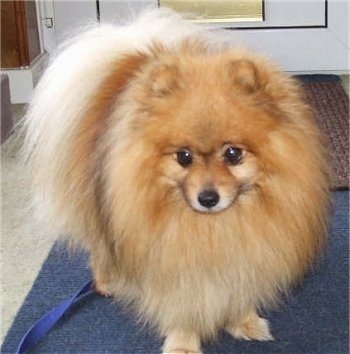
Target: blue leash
{"x":45,"y":323}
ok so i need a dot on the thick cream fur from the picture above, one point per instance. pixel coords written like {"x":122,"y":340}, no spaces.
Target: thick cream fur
{"x":103,"y":128}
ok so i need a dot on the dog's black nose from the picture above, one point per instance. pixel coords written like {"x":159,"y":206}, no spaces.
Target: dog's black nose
{"x":208,"y":198}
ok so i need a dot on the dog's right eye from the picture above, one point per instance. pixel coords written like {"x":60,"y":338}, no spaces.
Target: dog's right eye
{"x":233,"y":155}
{"x":184,"y":157}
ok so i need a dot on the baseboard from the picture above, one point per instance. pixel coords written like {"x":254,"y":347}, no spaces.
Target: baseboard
{"x":23,"y":80}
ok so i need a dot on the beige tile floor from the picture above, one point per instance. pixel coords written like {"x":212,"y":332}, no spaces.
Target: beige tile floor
{"x":24,"y":243}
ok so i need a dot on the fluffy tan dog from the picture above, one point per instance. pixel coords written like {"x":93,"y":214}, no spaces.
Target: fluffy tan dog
{"x":190,"y":171}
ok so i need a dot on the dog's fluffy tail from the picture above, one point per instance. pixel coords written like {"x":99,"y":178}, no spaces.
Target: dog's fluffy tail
{"x":71,"y":80}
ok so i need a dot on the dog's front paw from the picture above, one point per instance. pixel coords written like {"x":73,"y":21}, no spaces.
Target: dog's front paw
{"x":182,"y":342}
{"x":252,"y":327}
{"x":103,"y":288}
{"x":181,"y":351}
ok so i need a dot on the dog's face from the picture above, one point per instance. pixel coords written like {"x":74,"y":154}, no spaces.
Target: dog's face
{"x":210,"y":128}
{"x":210,"y":182}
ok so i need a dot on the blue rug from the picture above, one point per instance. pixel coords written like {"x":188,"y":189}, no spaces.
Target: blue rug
{"x":315,"y":319}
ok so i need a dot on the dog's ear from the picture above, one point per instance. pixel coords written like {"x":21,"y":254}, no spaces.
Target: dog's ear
{"x":244,"y":75}
{"x":164,"y":79}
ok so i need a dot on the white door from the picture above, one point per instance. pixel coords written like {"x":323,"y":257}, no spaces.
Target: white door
{"x":301,"y":36}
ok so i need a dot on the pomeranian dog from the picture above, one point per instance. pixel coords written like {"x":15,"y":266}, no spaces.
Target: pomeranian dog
{"x":189,"y":170}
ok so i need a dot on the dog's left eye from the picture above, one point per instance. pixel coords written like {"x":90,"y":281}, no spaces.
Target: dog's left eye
{"x":233,"y":155}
